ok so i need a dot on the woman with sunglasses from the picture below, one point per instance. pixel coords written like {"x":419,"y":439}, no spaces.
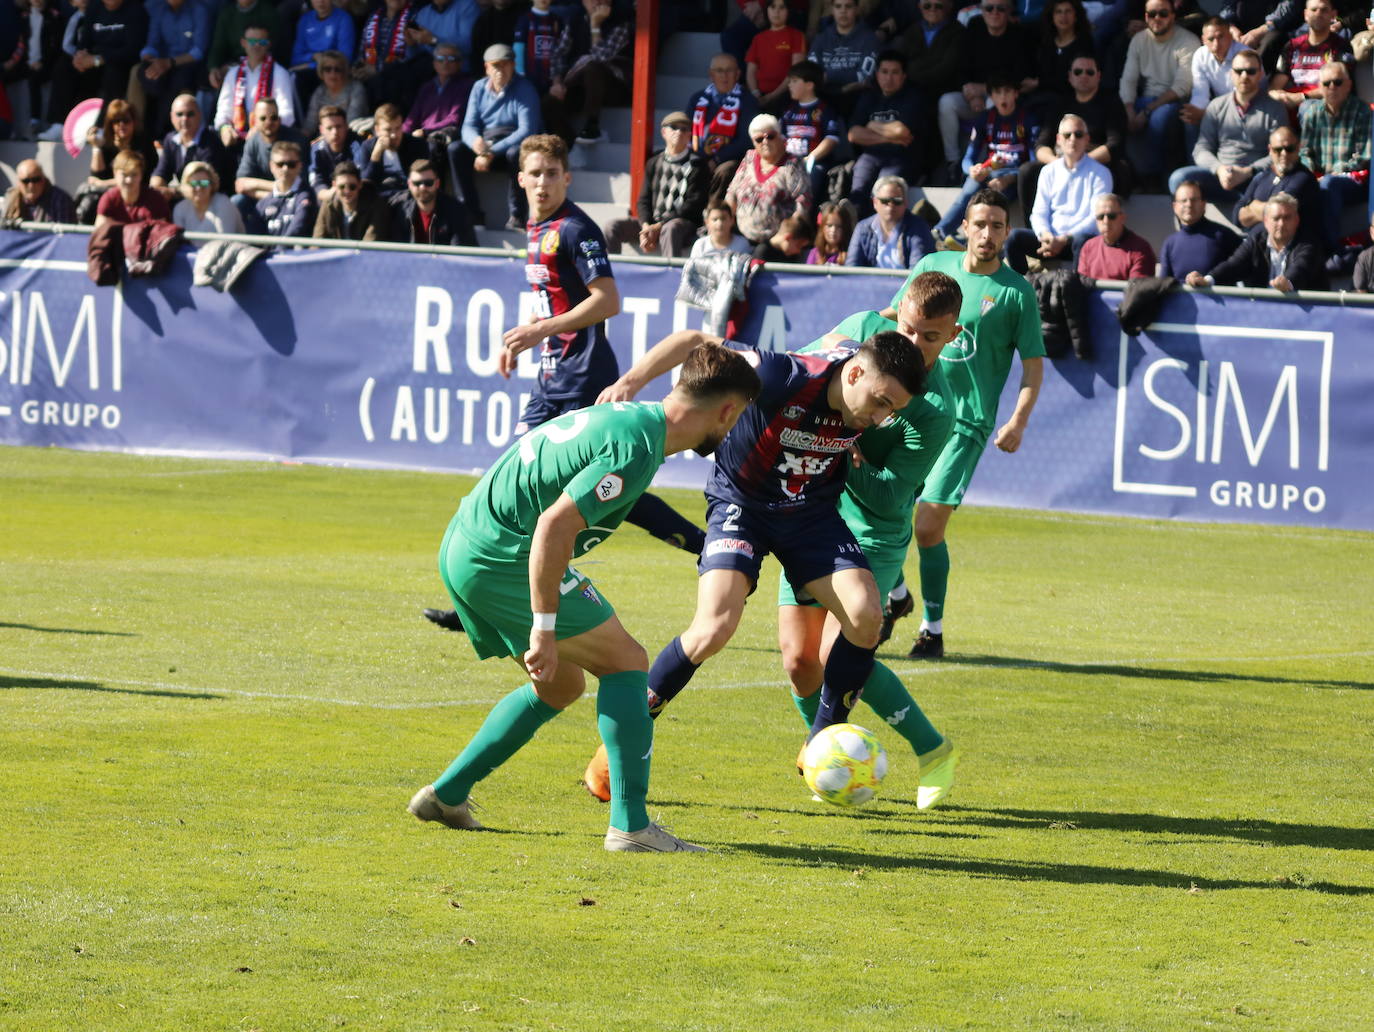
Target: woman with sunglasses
{"x":769,"y":186}
{"x":120,"y":133}
{"x":354,"y":211}
{"x":1065,"y":34}
{"x":336,"y":89}
{"x":203,"y":209}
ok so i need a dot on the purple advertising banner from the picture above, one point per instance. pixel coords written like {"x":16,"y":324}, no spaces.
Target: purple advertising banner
{"x":1224,"y":409}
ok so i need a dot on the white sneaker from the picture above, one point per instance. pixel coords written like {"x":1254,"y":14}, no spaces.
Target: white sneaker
{"x":52,"y":133}
{"x":651,"y":839}
{"x":425,"y":805}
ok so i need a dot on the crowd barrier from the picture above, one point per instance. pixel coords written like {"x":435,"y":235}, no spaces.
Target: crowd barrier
{"x":1226,"y":409}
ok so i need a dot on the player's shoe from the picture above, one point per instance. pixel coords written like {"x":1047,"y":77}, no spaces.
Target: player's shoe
{"x":650,"y":839}
{"x":936,"y":774}
{"x":927,"y":646}
{"x":894,"y":611}
{"x":425,"y":805}
{"x":445,"y":618}
{"x":596,"y":779}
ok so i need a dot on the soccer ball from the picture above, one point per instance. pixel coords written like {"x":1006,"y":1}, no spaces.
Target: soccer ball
{"x":844,"y":764}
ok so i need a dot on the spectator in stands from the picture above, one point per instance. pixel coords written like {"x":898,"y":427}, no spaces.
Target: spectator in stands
{"x":502,"y":110}
{"x":1157,"y":77}
{"x":1211,"y":70}
{"x":999,"y":146}
{"x":671,"y":197}
{"x":40,"y":36}
{"x":173,"y":59}
{"x":1065,"y":34}
{"x":892,"y":237}
{"x":1286,"y":174}
{"x":1063,"y":217}
{"x":1335,"y":146}
{"x":322,"y":28}
{"x":203,"y":209}
{"x":1299,"y":72}
{"x":62,"y":69}
{"x":336,"y":89}
{"x":593,"y":63}
{"x":1199,"y":244}
{"x":720,"y":233}
{"x":190,"y":140}
{"x":768,"y":185}
{"x":385,"y":52}
{"x":813,"y":131}
{"x":1264,"y":26}
{"x":337,"y":143}
{"x":448,"y":22}
{"x":437,"y":114}
{"x":33,"y":198}
{"x":721,"y":113}
{"x":120,"y":133}
{"x":390,"y":153}
{"x":289,"y":210}
{"x":254,"y":178}
{"x":424,"y":215}
{"x":834,"y":230}
{"x":496,"y":24}
{"x":108,"y":42}
{"x":788,"y":243}
{"x":887,"y":119}
{"x":538,"y":33}
{"x":354,"y":210}
{"x":934,"y":51}
{"x":1275,"y":258}
{"x":1232,"y":143}
{"x":993,"y":46}
{"x":258,"y":77}
{"x":129,"y":200}
{"x":1364,"y":266}
{"x":231,"y":25}
{"x":847,"y":50}
{"x":771,"y":56}
{"x":1105,"y":118}
{"x":1116,"y":253}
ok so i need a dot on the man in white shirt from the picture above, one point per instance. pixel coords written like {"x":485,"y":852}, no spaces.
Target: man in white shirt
{"x":1211,"y":75}
{"x":1063,"y":217}
{"x":245,"y":85}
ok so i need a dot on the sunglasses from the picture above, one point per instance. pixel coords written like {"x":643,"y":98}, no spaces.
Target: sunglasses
{"x":932,"y":7}
{"x":269,"y":118}
{"x":1075,"y":134}
{"x":126,"y":119}
{"x":446,"y":58}
{"x":30,"y":180}
{"x":182,"y":114}
{"x":196,"y":184}
{"x":995,"y":9}
{"x":890,"y":201}
{"x":330,"y":69}
{"x":1333,"y":82}
{"x":346,"y":187}
{"x":1158,"y":14}
{"x":1284,"y":148}
{"x":257,"y":42}
{"x":1245,"y":71}
{"x":423,"y":182}
{"x":285,"y":164}
{"x":765,"y":137}
{"x":1084,"y":71}
{"x":1110,"y":216}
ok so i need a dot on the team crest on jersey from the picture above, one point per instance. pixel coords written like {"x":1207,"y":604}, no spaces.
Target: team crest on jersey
{"x":549,"y":245}
{"x":794,"y":412}
{"x":590,"y":594}
{"x":986,"y":306}
{"x":610,"y":487}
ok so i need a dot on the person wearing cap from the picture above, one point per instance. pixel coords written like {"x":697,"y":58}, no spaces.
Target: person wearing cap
{"x":671,"y":198}
{"x":502,"y":110}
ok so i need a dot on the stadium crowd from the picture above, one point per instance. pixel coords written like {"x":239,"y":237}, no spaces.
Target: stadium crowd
{"x":351,"y":120}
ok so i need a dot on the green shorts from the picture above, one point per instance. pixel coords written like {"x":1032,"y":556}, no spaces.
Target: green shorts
{"x":949,"y":479}
{"x":492,"y":598}
{"x":886,"y":564}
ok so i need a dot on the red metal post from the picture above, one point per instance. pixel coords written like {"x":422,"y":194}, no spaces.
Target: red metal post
{"x":642,"y":128}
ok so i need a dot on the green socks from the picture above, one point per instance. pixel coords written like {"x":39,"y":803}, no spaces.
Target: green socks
{"x":622,"y":717}
{"x":808,"y":706}
{"x":934,"y":580}
{"x":888,"y":697}
{"x":511,"y":723}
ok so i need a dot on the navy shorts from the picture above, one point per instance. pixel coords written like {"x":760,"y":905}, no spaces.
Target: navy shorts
{"x":539,"y":410}
{"x":812,"y":543}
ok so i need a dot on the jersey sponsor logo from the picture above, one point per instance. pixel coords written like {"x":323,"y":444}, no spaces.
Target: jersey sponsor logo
{"x":961,"y":349}
{"x":536,"y":273}
{"x":590,"y":538}
{"x":736,"y":545}
{"x":571,"y":579}
{"x":794,"y":438}
{"x":549,"y":245}
{"x":591,"y":248}
{"x":804,"y":465}
{"x":610,"y":487}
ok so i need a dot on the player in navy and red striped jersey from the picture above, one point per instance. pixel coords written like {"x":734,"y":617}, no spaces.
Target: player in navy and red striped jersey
{"x":774,"y":487}
{"x":570,"y":274}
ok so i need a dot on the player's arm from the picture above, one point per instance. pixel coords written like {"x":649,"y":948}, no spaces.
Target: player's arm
{"x":551,"y":548}
{"x":1032,"y":374}
{"x":602,"y":302}
{"x":669,"y":353}
{"x":889,"y":488}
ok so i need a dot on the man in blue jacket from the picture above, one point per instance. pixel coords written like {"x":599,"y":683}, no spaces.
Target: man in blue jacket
{"x":289,"y":210}
{"x":502,"y":110}
{"x":173,"y":60}
{"x":892,"y":237}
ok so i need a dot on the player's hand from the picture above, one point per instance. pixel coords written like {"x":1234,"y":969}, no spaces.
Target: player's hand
{"x":621,"y":390}
{"x":522,"y":338}
{"x":541,"y":659}
{"x":1009,"y":437}
{"x":856,"y":457}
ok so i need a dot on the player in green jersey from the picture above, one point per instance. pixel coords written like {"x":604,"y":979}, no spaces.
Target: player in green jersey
{"x":879,"y":497}
{"x":1000,"y":317}
{"x":555,"y":493}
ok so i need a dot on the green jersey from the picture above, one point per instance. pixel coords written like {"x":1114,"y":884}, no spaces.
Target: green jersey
{"x":603,"y":458}
{"x":999,"y":316}
{"x":880,"y":494}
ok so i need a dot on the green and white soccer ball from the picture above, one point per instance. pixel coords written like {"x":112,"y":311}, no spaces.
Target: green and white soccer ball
{"x":844,"y":764}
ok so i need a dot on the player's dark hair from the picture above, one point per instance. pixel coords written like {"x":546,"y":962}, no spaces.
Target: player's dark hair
{"x":891,"y":354}
{"x":991,"y":198}
{"x":712,"y":371}
{"x":807,"y":71}
{"x":935,"y":294}
{"x":547,"y":144}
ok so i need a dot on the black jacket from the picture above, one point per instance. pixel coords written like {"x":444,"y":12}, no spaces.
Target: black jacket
{"x":1063,"y":297}
{"x":451,"y":227}
{"x":673,"y":190}
{"x":1249,"y":265}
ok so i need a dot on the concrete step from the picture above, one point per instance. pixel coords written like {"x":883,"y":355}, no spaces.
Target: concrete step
{"x":688,"y":53}
{"x":672,"y":92}
{"x":607,"y":157}
{"x":59,"y":166}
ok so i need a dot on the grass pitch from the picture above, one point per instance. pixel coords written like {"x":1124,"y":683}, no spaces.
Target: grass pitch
{"x":219,"y":694}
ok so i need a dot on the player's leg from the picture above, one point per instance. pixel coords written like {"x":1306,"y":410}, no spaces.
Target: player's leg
{"x":799,"y":640}
{"x":664,"y":522}
{"x":851,"y":595}
{"x":932,"y":519}
{"x":721,"y":595}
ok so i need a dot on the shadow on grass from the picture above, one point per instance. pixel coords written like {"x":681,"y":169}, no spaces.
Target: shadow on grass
{"x":1149,"y":673}
{"x":66,"y":630}
{"x":1031,"y":870}
{"x":1268,"y":833}
{"x":95,"y":686}
{"x":872,"y":812}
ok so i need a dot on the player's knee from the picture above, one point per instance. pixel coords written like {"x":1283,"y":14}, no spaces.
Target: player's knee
{"x":705,"y":638}
{"x":866,"y":627}
{"x":803,"y":669}
{"x":928,"y":536}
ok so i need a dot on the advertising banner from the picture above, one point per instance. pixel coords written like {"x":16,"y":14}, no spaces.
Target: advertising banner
{"x":1225,"y":409}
